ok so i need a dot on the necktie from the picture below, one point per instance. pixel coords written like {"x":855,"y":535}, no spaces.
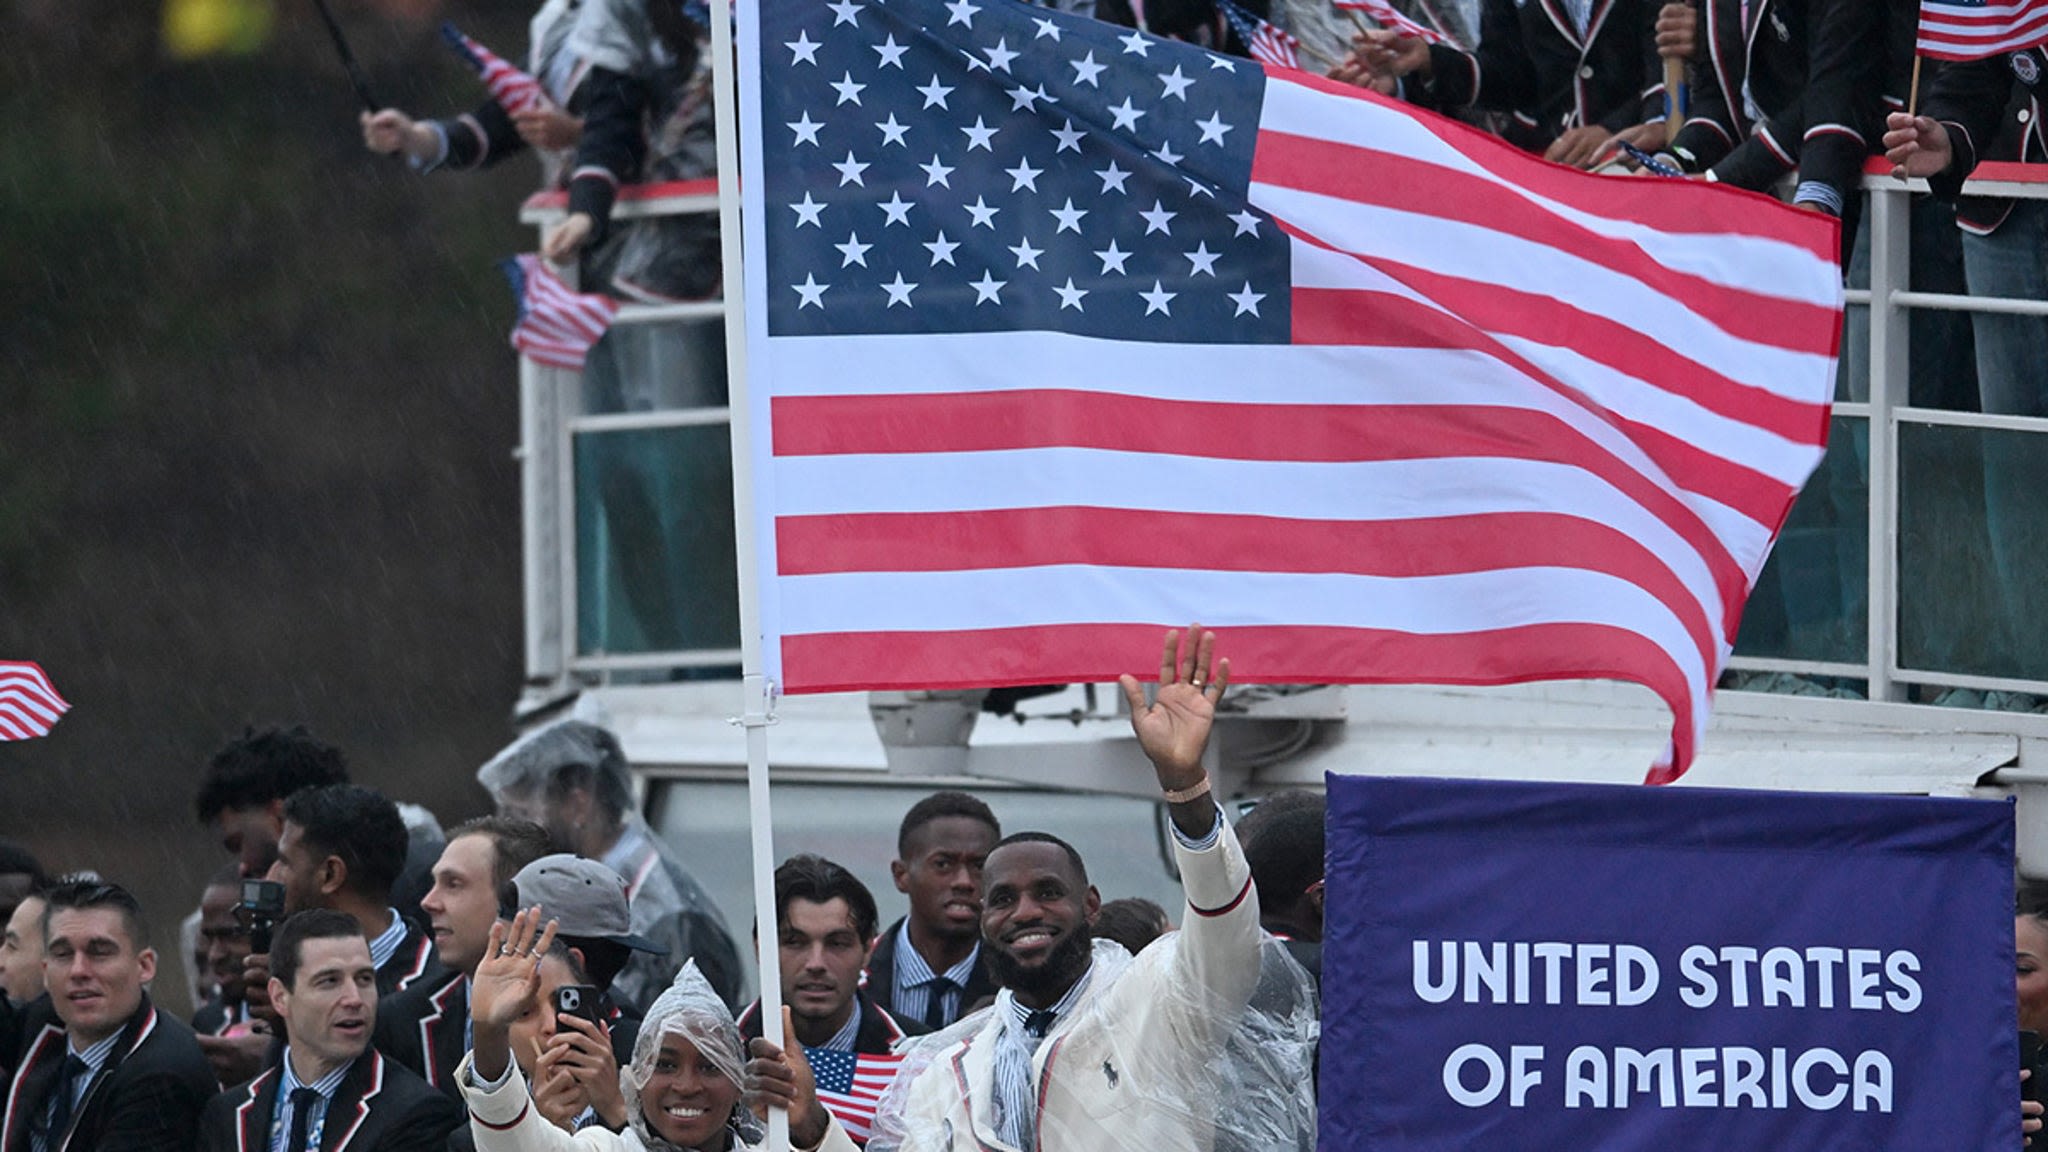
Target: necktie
{"x":1016,"y":1113}
{"x":303,"y":1102}
{"x":935,"y":1008}
{"x":60,"y":1104}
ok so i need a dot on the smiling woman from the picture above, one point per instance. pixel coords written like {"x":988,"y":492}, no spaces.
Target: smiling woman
{"x":689,"y":1086}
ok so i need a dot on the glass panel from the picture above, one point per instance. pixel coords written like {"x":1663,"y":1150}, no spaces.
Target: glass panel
{"x":1973,"y":551}
{"x":1811,"y":602}
{"x":655,"y":556}
{"x":656,"y":367}
{"x":855,"y":825}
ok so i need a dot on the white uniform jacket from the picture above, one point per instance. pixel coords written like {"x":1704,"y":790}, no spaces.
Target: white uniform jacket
{"x":1127,"y":1067}
{"x":503,"y":1119}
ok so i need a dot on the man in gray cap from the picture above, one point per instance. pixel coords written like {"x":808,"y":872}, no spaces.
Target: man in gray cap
{"x":571,"y":778}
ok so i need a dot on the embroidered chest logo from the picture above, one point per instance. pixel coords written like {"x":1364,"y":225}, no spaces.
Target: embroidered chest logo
{"x":2026,"y":68}
{"x":1109,"y":1073}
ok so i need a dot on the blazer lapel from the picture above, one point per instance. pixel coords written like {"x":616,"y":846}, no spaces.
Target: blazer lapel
{"x":252,"y":1115}
{"x":1563,"y":22}
{"x":351,"y":1105}
{"x":441,"y":1027}
{"x":133,"y":1034}
{"x":1598,"y":17}
{"x":31,"y":1084}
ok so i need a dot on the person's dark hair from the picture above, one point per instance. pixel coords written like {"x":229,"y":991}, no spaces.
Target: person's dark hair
{"x":938,"y":806}
{"x":1132,"y":922}
{"x":514,"y":845}
{"x":358,"y":825}
{"x":1073,"y":857}
{"x":2033,"y":899}
{"x":17,"y":860}
{"x":820,"y":881}
{"x":286,"y":947}
{"x":603,"y":959}
{"x":1283,"y":845}
{"x":259,"y":767}
{"x":86,"y":891}
{"x":578,"y":974}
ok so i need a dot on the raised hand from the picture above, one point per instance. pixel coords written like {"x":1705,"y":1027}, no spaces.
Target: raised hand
{"x":582,"y":1053}
{"x":1174,"y":729}
{"x":1916,"y":146}
{"x":547,"y":126}
{"x":564,"y":240}
{"x":505,"y":985}
{"x":556,"y":1094}
{"x":1678,"y":30}
{"x":782,"y":1078}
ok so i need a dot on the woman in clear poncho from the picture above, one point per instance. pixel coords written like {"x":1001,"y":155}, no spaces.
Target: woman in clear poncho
{"x":689,"y":1087}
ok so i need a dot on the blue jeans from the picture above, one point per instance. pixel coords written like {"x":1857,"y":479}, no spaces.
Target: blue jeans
{"x":2012,"y":351}
{"x":2012,"y":370}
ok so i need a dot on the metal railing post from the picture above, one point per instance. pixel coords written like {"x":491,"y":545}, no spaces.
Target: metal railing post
{"x":1890,"y":350}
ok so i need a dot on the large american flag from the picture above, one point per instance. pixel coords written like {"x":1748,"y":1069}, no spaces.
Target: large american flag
{"x":1061,"y":334}
{"x":1975,"y":29}
{"x":29,"y":704}
{"x":514,"y":90}
{"x":850,"y":1085}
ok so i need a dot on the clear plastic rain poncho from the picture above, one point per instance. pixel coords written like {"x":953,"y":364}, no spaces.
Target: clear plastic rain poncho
{"x":1161,"y":1064}
{"x":691,"y":1010}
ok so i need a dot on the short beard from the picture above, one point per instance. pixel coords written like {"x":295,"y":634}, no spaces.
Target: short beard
{"x":1062,"y":966}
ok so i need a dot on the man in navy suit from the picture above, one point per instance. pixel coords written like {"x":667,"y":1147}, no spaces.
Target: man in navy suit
{"x":331,"y":1092}
{"x":102,"y":1070}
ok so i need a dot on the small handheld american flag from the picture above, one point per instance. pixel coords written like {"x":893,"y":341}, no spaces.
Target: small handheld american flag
{"x":556,"y":325}
{"x":850,"y":1085}
{"x":29,"y":704}
{"x":1388,"y":16}
{"x":1268,"y":44}
{"x":515,"y":91}
{"x":1975,"y":29}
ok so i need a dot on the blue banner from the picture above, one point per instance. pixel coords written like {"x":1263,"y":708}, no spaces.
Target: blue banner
{"x":1526,"y":967}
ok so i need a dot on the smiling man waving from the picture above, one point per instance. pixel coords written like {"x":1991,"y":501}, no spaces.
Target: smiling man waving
{"x":1087,"y":1049}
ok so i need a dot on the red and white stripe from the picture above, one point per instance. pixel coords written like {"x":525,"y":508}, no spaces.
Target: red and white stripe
{"x":1388,"y":16}
{"x":1533,"y":424}
{"x":514,"y":90}
{"x":557,"y":325}
{"x":29,"y":704}
{"x":1274,"y":46}
{"x":1950,"y":31}
{"x":872,"y":1075}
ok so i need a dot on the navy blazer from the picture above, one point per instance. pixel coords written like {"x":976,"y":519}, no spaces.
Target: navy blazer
{"x":145,"y":1098}
{"x":379,"y":1107}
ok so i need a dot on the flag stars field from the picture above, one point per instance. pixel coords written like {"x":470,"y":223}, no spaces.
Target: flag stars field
{"x":1005,"y":102}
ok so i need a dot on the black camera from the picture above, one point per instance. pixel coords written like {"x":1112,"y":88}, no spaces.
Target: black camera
{"x":261,"y":908}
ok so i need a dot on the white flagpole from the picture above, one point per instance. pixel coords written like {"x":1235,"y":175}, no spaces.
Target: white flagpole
{"x":758,"y":702}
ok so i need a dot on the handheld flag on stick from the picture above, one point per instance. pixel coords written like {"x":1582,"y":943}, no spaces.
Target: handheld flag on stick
{"x":29,"y":704}
{"x":557,"y":325}
{"x":1388,"y":16}
{"x":1268,"y":44}
{"x":514,"y":90}
{"x":348,"y":58}
{"x":1975,"y":29}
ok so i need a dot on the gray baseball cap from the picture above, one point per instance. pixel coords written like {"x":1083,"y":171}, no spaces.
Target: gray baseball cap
{"x":583,"y":896}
